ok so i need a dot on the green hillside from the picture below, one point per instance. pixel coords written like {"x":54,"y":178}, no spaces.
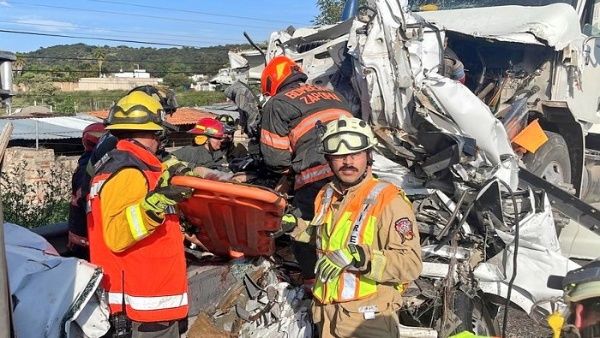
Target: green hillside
{"x":70,"y":62}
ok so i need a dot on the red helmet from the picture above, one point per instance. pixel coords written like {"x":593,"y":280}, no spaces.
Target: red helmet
{"x":210,"y":127}
{"x":279,"y":69}
{"x":91,"y":135}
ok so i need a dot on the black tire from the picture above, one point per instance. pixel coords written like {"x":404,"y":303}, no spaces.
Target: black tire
{"x":551,"y":161}
{"x":474,"y":315}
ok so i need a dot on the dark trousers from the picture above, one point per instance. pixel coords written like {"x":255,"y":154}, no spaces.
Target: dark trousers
{"x":171,"y":329}
{"x":304,"y":203}
{"x":155,"y":330}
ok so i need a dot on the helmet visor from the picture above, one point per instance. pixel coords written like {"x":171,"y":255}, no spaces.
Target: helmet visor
{"x":150,"y":116}
{"x":353,"y":142}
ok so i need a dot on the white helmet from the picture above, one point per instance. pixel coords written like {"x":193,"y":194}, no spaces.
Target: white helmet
{"x":347,"y":135}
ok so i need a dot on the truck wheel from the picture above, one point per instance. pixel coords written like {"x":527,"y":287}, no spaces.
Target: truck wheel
{"x":551,"y":161}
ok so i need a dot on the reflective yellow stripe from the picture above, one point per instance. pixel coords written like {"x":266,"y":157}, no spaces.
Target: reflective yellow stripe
{"x":136,"y":222}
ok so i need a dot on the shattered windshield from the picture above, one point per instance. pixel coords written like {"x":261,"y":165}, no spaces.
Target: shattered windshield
{"x":428,"y":5}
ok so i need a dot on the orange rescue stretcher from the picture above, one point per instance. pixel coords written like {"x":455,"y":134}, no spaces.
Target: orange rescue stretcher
{"x":233,"y":219}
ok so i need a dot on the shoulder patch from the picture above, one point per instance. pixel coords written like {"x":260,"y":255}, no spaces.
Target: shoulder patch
{"x":404,"y":227}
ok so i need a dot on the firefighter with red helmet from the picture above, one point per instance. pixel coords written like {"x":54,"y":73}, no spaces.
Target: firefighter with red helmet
{"x":207,"y":148}
{"x":77,"y":240}
{"x":289,"y":139}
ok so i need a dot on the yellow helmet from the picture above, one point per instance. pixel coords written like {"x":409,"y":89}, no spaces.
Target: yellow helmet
{"x":136,"y":111}
{"x":347,"y":135}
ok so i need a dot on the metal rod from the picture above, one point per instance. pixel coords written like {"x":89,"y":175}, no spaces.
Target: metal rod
{"x":37,"y":135}
{"x":5,"y":298}
{"x":453,"y":216}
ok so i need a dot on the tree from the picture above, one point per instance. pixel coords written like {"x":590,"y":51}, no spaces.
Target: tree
{"x":177,"y":81}
{"x":100,"y":56}
{"x":19,"y":64}
{"x":330,"y":11}
{"x":39,"y":86}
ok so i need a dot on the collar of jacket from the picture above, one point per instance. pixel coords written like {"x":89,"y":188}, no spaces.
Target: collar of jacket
{"x":335,"y":184}
{"x":141,"y":153}
{"x":292,"y":82}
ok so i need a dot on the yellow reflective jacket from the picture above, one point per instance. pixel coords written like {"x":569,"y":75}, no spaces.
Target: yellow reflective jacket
{"x":376,"y":215}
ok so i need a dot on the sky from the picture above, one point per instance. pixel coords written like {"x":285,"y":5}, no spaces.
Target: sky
{"x":194,"y":23}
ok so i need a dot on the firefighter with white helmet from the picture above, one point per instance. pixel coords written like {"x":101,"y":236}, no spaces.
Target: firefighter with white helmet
{"x":367,"y":240}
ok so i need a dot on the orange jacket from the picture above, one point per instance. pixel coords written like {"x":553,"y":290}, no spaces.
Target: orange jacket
{"x":148,"y":272}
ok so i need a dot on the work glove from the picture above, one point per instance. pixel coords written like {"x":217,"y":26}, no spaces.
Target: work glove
{"x":332,"y":263}
{"x":158,"y":200}
{"x":288,"y":223}
{"x":173,"y":167}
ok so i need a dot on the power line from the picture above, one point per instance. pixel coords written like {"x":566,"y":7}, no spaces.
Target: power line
{"x":191,"y":11}
{"x":204,"y":22}
{"x":10,"y":31}
{"x":102,"y":30}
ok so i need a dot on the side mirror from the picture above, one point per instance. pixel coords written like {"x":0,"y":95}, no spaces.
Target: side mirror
{"x":555,"y":282}
{"x":587,"y":49}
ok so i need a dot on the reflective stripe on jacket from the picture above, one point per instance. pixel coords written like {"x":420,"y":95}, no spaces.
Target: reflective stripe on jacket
{"x":149,"y":277}
{"x":355,"y":224}
{"x":289,"y":138}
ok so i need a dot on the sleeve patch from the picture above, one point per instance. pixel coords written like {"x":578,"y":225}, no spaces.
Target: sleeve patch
{"x":404,"y":227}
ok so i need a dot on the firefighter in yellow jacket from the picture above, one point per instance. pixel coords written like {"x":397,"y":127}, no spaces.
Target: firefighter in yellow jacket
{"x":367,"y":240}
{"x":133,"y":232}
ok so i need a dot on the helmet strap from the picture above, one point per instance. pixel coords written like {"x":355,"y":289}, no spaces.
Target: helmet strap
{"x":370,"y":159}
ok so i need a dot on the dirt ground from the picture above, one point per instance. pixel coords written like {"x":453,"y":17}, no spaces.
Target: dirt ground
{"x":522,"y":326}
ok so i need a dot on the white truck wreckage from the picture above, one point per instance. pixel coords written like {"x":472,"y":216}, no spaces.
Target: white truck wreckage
{"x":489,"y":227}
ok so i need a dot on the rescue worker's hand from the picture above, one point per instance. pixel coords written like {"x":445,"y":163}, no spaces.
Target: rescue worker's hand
{"x":76,"y":240}
{"x":173,"y":167}
{"x":242,"y":177}
{"x":304,"y":232}
{"x":331,"y":264}
{"x":288,"y":223}
{"x":157,"y":201}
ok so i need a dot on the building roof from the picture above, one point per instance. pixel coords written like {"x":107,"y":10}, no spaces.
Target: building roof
{"x":223,"y":109}
{"x":48,"y":128}
{"x":183,"y":115}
